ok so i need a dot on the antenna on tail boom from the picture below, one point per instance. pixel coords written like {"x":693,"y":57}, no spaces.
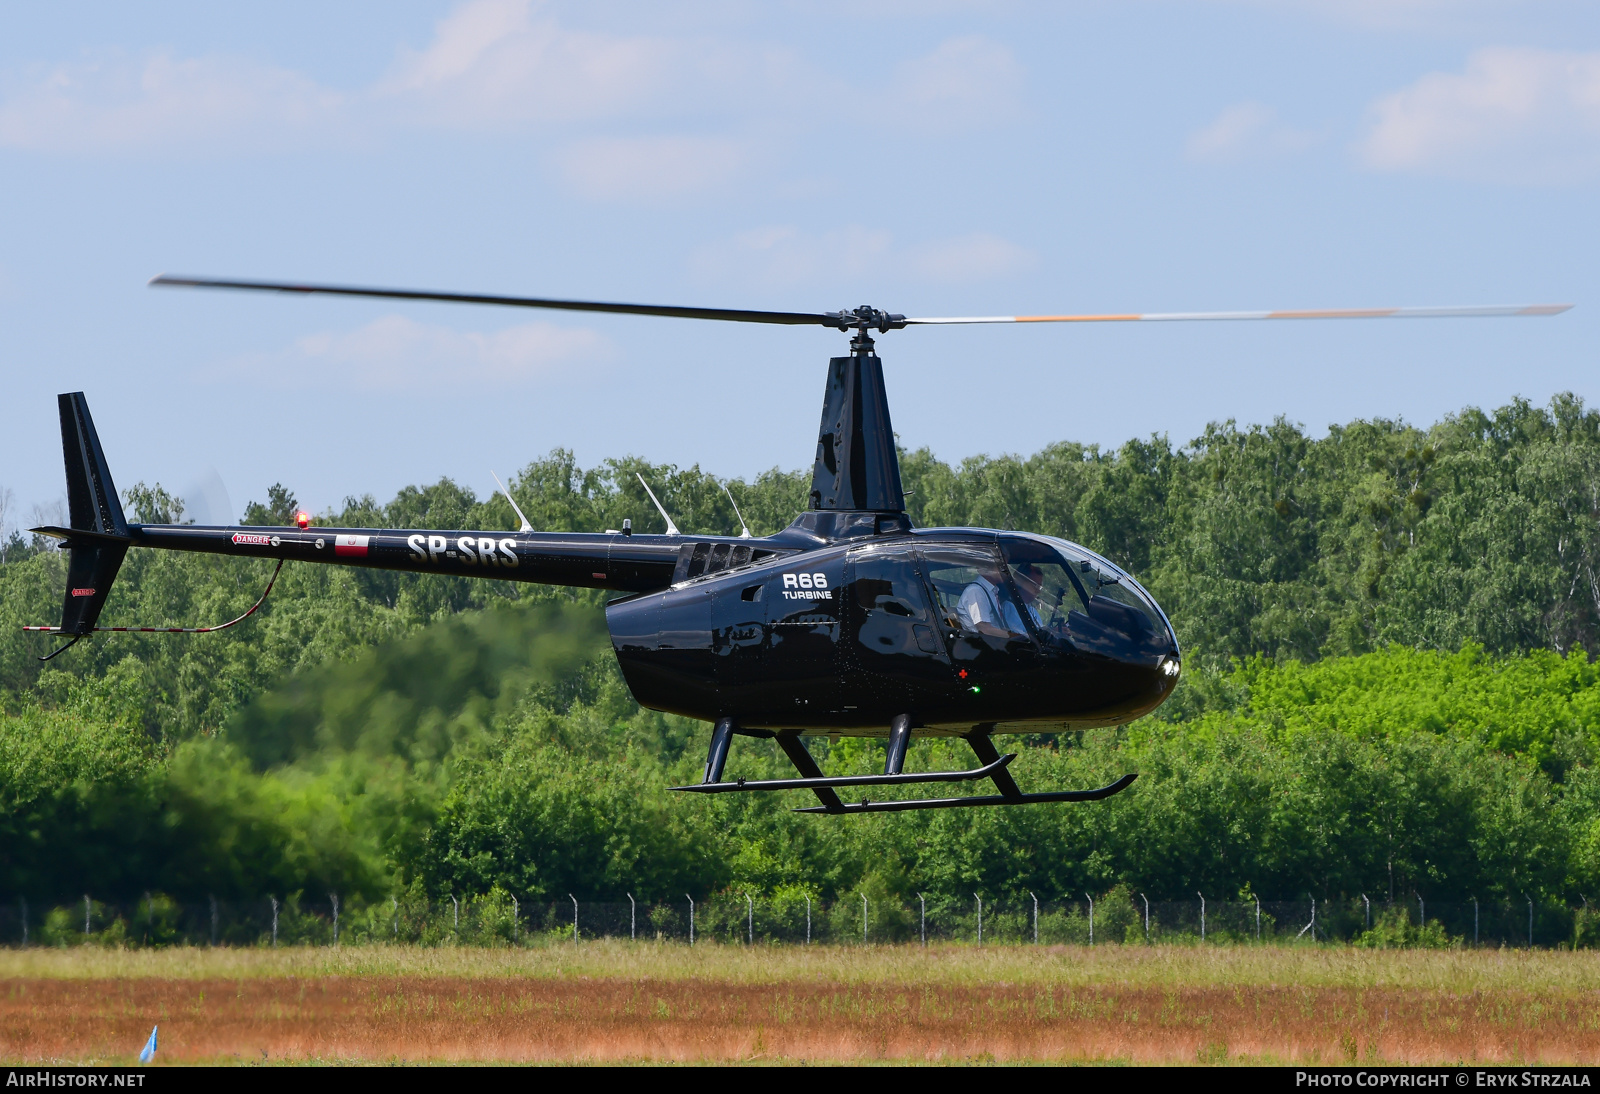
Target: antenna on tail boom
{"x":526,"y":527}
{"x":744,"y":529}
{"x":672,"y":529}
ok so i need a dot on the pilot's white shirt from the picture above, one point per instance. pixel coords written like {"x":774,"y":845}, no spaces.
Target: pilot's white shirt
{"x":981,"y":602}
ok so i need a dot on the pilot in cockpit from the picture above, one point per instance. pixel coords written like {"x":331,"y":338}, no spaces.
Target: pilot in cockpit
{"x":987,"y":607}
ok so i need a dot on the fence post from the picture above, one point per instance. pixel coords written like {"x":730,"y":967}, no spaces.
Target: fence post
{"x":394,"y":914}
{"x":334,"y":897}
{"x":1202,"y":897}
{"x":691,"y":918}
{"x":750,"y":927}
{"x":1422,"y":912}
{"x":1258,"y":919}
{"x":455,"y":915}
{"x":923,"y":901}
{"x":1367,"y":915}
{"x":863,"y":919}
{"x":979,"y":899}
{"x":1036,"y":918}
{"x":1526,"y":897}
{"x":1146,"y":917}
{"x":516,"y":918}
{"x":808,"y":919}
{"x":1312,"y":926}
{"x":213,"y":919}
{"x":633,"y":920}
{"x":574,"y":918}
{"x":1091,"y":919}
{"x":1474,"y":921}
{"x":274,"y":921}
{"x":86,"y":915}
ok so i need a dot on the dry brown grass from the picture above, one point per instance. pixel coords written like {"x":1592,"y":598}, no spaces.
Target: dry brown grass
{"x":616,"y":1002}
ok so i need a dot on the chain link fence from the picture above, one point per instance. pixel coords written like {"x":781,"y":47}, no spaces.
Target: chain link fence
{"x":733,"y":919}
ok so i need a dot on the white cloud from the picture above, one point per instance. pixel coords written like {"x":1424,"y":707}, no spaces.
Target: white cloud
{"x":1426,"y":16}
{"x":1243,"y":131}
{"x":113,"y":102}
{"x":976,"y":257}
{"x":965,"y":82}
{"x":492,"y":63}
{"x":1514,"y":115}
{"x":396,"y":353}
{"x":631,"y":118}
{"x":498,"y":65}
{"x":784,"y":257}
{"x":649,"y":168}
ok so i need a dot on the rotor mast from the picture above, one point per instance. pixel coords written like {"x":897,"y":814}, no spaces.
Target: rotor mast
{"x":857,"y":469}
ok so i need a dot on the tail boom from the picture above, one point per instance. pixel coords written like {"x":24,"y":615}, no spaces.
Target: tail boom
{"x":581,"y":560}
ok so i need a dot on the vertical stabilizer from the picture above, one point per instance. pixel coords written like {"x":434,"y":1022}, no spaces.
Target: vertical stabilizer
{"x":91,"y":496}
{"x":98,"y":537}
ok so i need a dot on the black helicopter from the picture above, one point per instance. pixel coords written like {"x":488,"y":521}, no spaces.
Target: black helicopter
{"x":849,"y":621}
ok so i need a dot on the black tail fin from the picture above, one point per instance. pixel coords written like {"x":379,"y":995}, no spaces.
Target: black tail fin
{"x":99,"y":535}
{"x":857,"y":467}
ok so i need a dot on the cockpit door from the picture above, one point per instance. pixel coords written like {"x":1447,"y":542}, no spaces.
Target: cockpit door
{"x":891,"y":632}
{"x":800,"y":659}
{"x":981,"y":617}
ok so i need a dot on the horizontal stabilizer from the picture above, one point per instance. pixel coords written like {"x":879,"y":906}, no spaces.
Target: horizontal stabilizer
{"x":68,"y":535}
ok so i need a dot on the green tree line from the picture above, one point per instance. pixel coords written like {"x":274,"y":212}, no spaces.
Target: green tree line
{"x":1387,"y":689}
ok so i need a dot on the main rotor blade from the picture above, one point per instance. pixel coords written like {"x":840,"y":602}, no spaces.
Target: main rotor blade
{"x":846,"y":320}
{"x":734,"y":315}
{"x":1485,"y":310}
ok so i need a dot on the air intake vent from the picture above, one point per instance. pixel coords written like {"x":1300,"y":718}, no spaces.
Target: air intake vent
{"x":699,"y":559}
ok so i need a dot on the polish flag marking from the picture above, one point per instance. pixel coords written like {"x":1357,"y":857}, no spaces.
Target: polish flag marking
{"x":350,"y":545}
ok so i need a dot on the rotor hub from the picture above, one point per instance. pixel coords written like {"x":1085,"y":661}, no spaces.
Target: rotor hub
{"x":862,"y":320}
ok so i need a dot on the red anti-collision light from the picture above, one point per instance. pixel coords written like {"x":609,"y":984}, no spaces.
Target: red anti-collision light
{"x":302,"y":518}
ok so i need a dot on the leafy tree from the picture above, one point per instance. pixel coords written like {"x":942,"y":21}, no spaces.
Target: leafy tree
{"x":279,"y":510}
{"x":152,"y":504}
{"x":1387,"y":689}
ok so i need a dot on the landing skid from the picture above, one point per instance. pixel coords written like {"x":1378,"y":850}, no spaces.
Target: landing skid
{"x":985,"y":772}
{"x":992,"y":799}
{"x":824,"y":787}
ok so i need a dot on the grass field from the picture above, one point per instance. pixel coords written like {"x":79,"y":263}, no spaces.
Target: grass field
{"x":613,"y":1002}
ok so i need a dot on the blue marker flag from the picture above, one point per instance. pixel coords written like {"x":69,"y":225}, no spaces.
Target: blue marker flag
{"x":149,"y":1052}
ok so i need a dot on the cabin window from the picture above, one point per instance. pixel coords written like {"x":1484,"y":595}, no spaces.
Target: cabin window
{"x":974,"y":596}
{"x":891,"y":605}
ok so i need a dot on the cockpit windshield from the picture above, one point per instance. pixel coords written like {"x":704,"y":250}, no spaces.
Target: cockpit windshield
{"x":1079,"y":598}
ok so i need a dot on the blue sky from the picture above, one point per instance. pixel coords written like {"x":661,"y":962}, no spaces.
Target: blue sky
{"x":927,"y":158}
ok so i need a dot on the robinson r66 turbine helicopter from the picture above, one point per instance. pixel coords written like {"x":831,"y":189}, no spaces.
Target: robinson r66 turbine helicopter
{"x":849,"y":621}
